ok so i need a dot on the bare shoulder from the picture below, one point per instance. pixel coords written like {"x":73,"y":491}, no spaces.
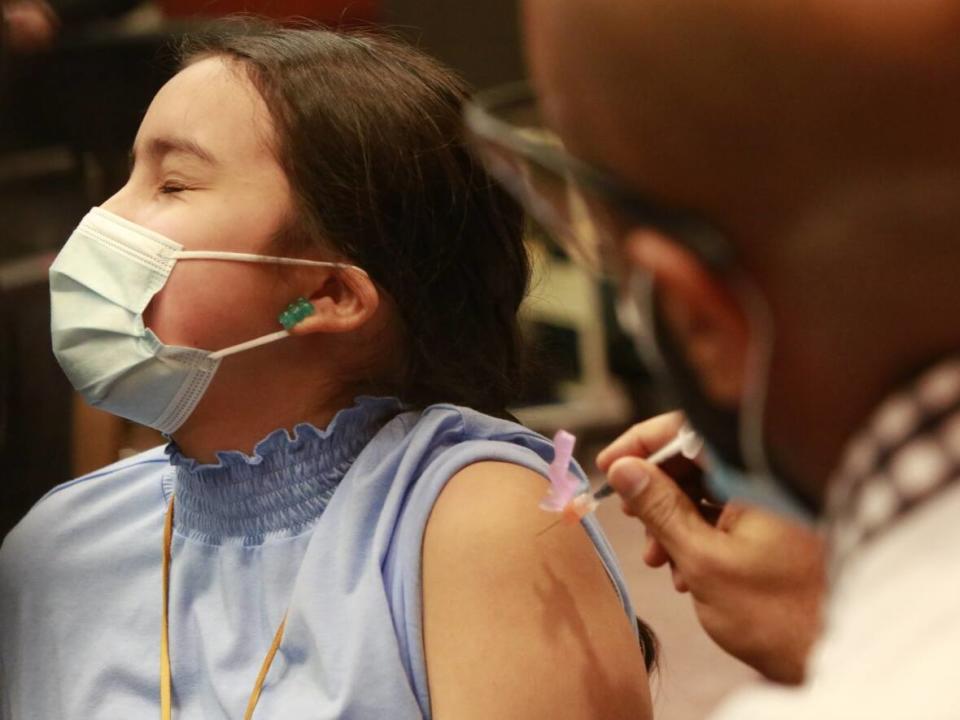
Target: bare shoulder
{"x":518,"y":624}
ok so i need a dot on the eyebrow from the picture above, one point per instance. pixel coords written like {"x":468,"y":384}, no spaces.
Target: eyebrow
{"x":161,"y":146}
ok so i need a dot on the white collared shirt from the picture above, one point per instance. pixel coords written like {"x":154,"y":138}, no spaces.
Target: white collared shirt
{"x":890,"y":648}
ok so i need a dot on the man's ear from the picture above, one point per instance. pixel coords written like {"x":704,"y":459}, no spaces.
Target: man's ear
{"x":702,"y":313}
{"x":345,"y":301}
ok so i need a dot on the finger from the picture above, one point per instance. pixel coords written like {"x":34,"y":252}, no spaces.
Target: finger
{"x":730,"y":515}
{"x":653,"y":497}
{"x":642,"y":439}
{"x":653,"y":554}
{"x":679,"y":584}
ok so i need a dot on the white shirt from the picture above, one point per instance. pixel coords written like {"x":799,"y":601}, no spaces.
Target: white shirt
{"x":890,"y":648}
{"x":891,"y":643}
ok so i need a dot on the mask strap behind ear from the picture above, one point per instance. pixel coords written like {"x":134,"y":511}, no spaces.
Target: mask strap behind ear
{"x":635,"y":315}
{"x":249,"y":344}
{"x":252,"y":258}
{"x":756,"y":376}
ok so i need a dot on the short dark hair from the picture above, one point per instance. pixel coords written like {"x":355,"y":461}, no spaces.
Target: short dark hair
{"x":369,"y":134}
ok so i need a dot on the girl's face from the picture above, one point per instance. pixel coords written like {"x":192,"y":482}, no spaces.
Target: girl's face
{"x":204,"y":175}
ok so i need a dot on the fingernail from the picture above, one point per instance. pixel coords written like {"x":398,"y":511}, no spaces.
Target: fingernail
{"x":631,"y":478}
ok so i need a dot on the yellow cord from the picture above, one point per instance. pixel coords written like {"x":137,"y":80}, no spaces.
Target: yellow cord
{"x":166,"y":684}
{"x":264,"y":669}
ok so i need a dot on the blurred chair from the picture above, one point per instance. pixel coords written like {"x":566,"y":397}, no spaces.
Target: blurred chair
{"x":564,"y":296}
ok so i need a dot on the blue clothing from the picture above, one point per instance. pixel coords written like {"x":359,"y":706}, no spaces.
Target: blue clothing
{"x":326,"y":525}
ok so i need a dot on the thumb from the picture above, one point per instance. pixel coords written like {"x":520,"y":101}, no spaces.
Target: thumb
{"x":656,"y":500}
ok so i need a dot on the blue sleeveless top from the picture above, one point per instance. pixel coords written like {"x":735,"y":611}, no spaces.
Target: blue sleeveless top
{"x":326,"y":525}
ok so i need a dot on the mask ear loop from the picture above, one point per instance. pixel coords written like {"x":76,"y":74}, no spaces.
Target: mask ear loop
{"x":752,"y":415}
{"x":756,"y":376}
{"x":635,"y":315}
{"x":250,"y":344}
{"x":253,"y":258}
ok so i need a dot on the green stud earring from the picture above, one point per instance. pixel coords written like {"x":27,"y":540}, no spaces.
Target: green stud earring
{"x":296,"y":312}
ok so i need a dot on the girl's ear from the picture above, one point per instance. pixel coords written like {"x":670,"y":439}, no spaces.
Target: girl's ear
{"x":700,"y":310}
{"x":345,"y":300}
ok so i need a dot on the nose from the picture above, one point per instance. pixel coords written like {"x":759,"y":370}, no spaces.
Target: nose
{"x":120,"y":203}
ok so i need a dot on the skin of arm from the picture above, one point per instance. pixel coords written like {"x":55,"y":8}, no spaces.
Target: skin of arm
{"x":520,"y":625}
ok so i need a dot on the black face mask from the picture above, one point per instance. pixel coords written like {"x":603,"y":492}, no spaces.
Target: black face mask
{"x":719,"y":426}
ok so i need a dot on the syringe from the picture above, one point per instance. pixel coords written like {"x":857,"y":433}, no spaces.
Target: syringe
{"x":686,"y":443}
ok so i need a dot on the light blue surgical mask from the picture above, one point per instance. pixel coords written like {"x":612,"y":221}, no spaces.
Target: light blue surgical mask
{"x":100,"y":284}
{"x":725,"y":482}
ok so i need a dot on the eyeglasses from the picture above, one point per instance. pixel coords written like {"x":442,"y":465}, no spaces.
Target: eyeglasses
{"x":584,"y":208}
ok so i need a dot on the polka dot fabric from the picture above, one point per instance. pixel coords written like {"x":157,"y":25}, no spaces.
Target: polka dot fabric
{"x":907,"y":454}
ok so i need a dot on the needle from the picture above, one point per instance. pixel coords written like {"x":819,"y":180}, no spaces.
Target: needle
{"x":686,"y":442}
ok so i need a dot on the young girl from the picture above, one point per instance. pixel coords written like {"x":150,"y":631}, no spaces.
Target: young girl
{"x":342,"y":525}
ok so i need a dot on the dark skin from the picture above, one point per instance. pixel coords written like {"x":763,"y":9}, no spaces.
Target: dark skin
{"x":722,"y":108}
{"x":838,"y":192}
{"x":754,"y":605}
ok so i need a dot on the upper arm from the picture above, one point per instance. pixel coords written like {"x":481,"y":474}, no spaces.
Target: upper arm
{"x":518,"y":624}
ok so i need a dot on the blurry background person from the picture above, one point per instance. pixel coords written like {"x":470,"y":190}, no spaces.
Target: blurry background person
{"x":776,"y":189}
{"x":30,"y":24}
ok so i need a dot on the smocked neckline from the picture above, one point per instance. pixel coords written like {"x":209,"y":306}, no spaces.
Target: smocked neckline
{"x":282,"y":487}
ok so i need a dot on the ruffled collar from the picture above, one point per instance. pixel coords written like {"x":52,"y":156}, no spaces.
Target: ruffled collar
{"x":283,"y":487}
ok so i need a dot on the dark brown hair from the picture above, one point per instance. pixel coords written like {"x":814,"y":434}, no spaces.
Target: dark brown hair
{"x":369,"y":134}
{"x":370,"y":138}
